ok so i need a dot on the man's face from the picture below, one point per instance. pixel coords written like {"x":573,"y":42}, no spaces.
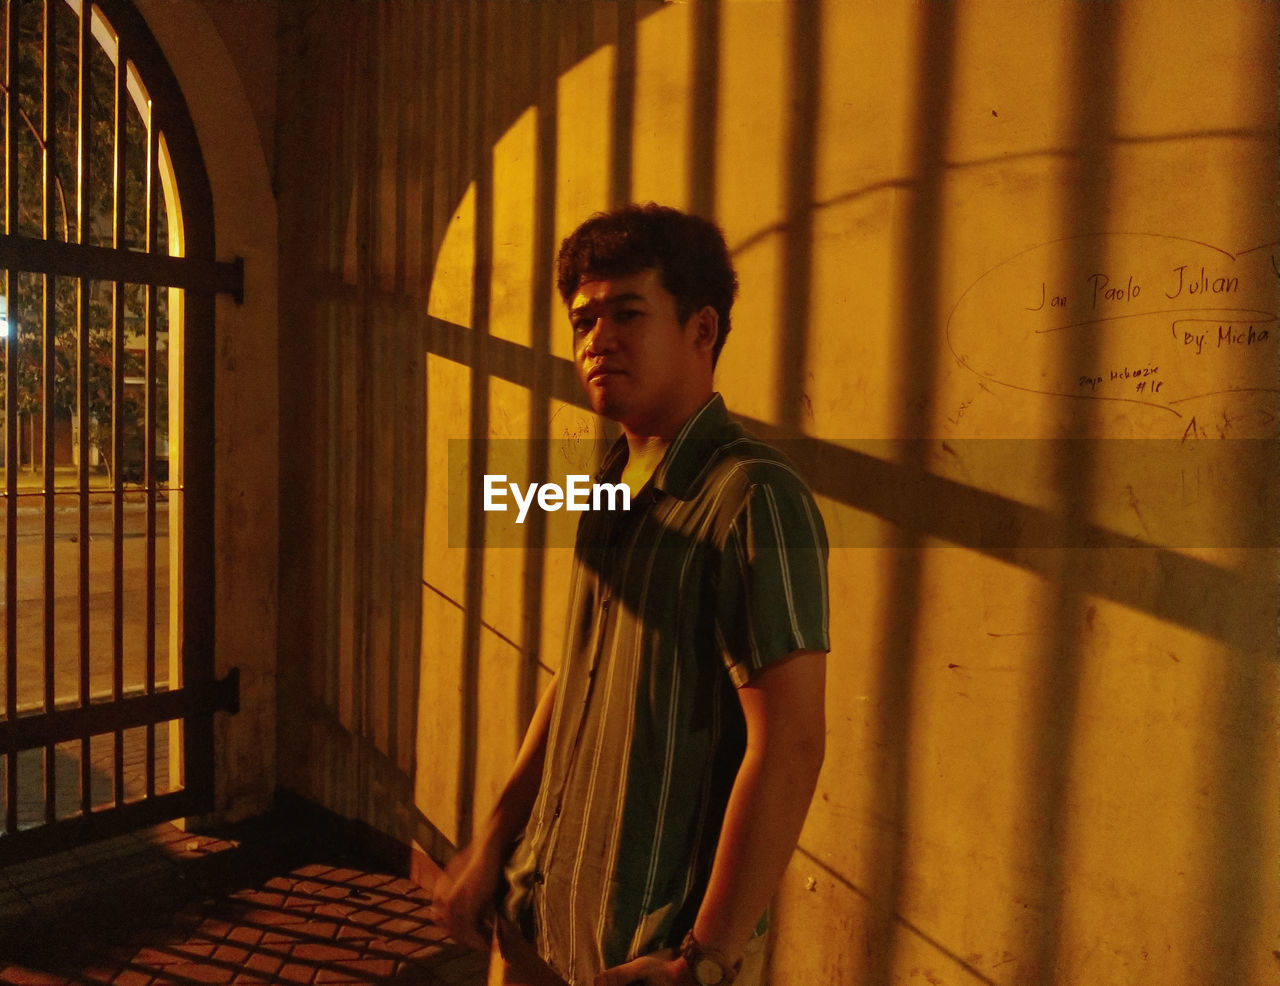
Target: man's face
{"x":638,"y":364}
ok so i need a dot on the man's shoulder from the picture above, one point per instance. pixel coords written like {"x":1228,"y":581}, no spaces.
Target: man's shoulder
{"x":716,"y":458}
{"x":742,"y":462}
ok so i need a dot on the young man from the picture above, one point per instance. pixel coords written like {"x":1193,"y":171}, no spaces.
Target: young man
{"x":666,"y":773}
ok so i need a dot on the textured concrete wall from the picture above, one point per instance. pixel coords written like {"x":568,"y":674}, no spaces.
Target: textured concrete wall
{"x":246,"y":436}
{"x":1008,"y":294}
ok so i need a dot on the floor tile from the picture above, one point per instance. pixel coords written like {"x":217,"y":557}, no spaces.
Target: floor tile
{"x":168,"y":907}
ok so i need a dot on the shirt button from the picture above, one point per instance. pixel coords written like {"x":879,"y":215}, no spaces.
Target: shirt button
{"x":539,"y":877}
{"x":605,"y":605}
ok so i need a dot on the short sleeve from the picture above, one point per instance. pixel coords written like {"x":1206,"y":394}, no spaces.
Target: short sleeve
{"x":771,"y":594}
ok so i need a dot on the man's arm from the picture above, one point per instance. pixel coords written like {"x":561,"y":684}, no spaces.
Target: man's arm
{"x":464,"y":893}
{"x":786,"y":733}
{"x":786,"y":736}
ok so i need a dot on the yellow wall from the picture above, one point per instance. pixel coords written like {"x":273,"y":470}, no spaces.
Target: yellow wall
{"x":967,"y":236}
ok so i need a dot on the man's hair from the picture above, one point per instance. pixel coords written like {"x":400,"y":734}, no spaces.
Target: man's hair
{"x":688,"y":252}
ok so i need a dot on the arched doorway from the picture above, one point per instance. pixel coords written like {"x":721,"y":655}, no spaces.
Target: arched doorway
{"x":106,"y":549}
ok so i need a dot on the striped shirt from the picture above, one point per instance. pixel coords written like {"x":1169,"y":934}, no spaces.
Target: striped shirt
{"x":717,"y":570}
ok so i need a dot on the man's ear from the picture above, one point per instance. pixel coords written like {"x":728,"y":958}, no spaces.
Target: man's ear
{"x":706,"y":327}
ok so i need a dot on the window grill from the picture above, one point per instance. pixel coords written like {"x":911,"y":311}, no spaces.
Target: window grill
{"x":107,"y":279}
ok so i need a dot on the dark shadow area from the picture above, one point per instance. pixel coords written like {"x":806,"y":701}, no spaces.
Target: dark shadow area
{"x":1032,"y":537}
{"x":1055,"y":707}
{"x":919,"y":304}
{"x":361,"y":417}
{"x":542,"y":261}
{"x":476,"y":138}
{"x":623,"y":121}
{"x":1241,"y":750}
{"x":705,"y":111}
{"x":797,"y":238}
{"x":342,"y":748}
{"x":353,"y":408}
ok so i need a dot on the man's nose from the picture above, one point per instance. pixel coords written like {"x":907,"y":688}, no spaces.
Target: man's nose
{"x":603,"y":337}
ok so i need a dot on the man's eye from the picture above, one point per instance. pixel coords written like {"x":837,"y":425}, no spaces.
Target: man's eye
{"x":582,"y":325}
{"x":626,"y":314}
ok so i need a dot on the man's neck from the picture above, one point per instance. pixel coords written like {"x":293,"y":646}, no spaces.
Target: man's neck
{"x":645,"y":451}
{"x":643,"y":456}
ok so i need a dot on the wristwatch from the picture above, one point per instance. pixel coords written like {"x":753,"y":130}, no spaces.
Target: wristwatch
{"x":708,"y":966}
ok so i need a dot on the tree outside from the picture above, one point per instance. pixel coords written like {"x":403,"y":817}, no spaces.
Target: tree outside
{"x":25,"y":293}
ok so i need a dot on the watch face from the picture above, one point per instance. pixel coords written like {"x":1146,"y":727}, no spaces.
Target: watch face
{"x":708,"y":972}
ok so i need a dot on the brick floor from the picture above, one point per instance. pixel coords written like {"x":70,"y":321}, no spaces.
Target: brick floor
{"x":169,"y":907}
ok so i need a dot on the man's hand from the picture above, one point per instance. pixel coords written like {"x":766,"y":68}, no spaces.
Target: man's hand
{"x":664,"y":968}
{"x":462,"y":900}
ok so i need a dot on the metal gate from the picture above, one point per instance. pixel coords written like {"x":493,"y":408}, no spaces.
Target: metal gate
{"x":106,"y":381}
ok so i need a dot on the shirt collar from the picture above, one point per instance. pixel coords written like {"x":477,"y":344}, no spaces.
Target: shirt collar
{"x":686,"y":457}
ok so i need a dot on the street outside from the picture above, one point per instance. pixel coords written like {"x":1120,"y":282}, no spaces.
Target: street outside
{"x":30,"y":611}
{"x":29,"y":619}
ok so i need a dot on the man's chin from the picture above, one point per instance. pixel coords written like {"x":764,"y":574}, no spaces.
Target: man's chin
{"x":604,"y":405}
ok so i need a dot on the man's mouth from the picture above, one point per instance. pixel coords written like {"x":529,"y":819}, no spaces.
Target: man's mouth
{"x":600,"y":371}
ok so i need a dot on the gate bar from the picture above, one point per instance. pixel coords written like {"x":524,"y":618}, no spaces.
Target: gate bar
{"x":31,"y":843}
{"x":10,"y":422}
{"x":101,"y":718}
{"x":83,"y":133}
{"x":149,"y":446}
{"x":102,"y":263}
{"x":120,"y":157}
{"x":50,"y":178}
